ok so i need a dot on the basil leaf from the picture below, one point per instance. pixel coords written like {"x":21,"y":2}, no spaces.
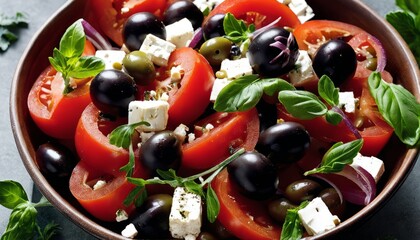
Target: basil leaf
{"x":412,"y":6}
{"x":275,"y":85}
{"x":8,"y":26}
{"x":302,"y":104}
{"x":121,"y":136}
{"x":328,"y":91}
{"x":129,"y":167}
{"x":12,"y":194}
{"x":337,"y":157}
{"x":87,"y":67}
{"x":72,"y":43}
{"x":50,"y":230}
{"x":213,"y":204}
{"x":22,"y":222}
{"x":236,"y":30}
{"x":333,"y":117}
{"x":398,"y":107}
{"x":292,"y":226}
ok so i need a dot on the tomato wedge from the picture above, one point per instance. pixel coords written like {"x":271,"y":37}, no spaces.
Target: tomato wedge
{"x":231,"y":131}
{"x":243,"y":217}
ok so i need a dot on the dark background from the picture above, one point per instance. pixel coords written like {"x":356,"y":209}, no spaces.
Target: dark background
{"x":398,"y":219}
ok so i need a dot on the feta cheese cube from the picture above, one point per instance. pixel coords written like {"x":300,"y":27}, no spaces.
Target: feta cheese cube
{"x":203,"y":5}
{"x":129,"y":231}
{"x":303,"y":69}
{"x":317,"y":218}
{"x":158,"y":50}
{"x":372,"y":165}
{"x":347,"y":100}
{"x":236,"y":68}
{"x":218,"y":85}
{"x":153,"y":112}
{"x":180,"y":33}
{"x":303,"y":11}
{"x":185,"y":216}
{"x":112,"y":58}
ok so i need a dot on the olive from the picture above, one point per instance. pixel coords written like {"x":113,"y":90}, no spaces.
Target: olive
{"x":161,"y":151}
{"x":302,"y":190}
{"x":138,"y":65}
{"x":151,"y":220}
{"x":218,"y":230}
{"x":336,"y":59}
{"x":255,"y":175}
{"x":55,"y":161}
{"x":215,"y":50}
{"x":206,"y":236}
{"x":267,"y":114}
{"x":138,"y":26}
{"x":183,"y":9}
{"x":235,"y":52}
{"x":273,"y":52}
{"x":333,"y":201}
{"x":112,"y":90}
{"x":277,"y":209}
{"x":214,"y":26}
{"x":284,"y":142}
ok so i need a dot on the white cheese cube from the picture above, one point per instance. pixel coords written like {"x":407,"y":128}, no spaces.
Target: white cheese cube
{"x":158,"y":50}
{"x":203,"y":5}
{"x":180,"y":33}
{"x":303,"y":11}
{"x":347,"y":100}
{"x":218,"y":85}
{"x":303,"y":68}
{"x":236,"y":68}
{"x":129,"y":231}
{"x":153,"y":112}
{"x":372,"y":165}
{"x":317,"y":218}
{"x":185,"y":216}
{"x":112,"y":58}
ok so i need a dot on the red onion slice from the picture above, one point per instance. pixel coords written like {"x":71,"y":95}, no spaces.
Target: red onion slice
{"x":95,"y":37}
{"x":348,"y":122}
{"x":198,"y":35}
{"x":380,"y":53}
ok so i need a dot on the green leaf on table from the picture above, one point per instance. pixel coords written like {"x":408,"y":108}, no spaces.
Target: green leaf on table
{"x":8,"y":27}
{"x":22,"y":222}
{"x":12,"y":194}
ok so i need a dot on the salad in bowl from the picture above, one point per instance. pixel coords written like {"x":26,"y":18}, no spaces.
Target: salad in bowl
{"x":217,"y":119}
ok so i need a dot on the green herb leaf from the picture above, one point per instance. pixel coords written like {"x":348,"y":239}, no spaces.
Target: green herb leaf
{"x":302,"y":104}
{"x":236,"y":30}
{"x":121,"y":136}
{"x":412,"y":6}
{"x":398,"y":107}
{"x":86,"y":67}
{"x":194,"y":187}
{"x":49,"y":231}
{"x":129,"y":167}
{"x":213,"y":204}
{"x":8,"y":27}
{"x":333,"y":117}
{"x":244,"y":93}
{"x":73,"y":41}
{"x":292,"y":226}
{"x":12,"y":194}
{"x":328,"y":91}
{"x":337,"y":157}
{"x":22,"y":222}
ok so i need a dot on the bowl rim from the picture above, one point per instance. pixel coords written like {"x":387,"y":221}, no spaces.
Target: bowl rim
{"x":97,"y":230}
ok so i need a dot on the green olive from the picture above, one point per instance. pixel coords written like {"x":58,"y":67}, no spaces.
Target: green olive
{"x":302,"y":190}
{"x":277,"y":208}
{"x":215,"y":50}
{"x":371,"y":63}
{"x":333,"y":201}
{"x":138,"y":65}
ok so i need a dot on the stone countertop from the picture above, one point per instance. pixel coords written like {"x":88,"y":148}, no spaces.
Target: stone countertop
{"x":398,"y":219}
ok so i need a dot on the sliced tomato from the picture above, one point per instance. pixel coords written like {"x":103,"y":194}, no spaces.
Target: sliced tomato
{"x":104,"y":202}
{"x":243,"y":217}
{"x":231,"y":131}
{"x":92,"y":143}
{"x":261,"y":13}
{"x":110,"y":15}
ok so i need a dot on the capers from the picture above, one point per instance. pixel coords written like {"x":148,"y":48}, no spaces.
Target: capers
{"x":302,"y":190}
{"x":333,"y":201}
{"x":215,"y":50}
{"x":140,"y":67}
{"x":277,"y":208}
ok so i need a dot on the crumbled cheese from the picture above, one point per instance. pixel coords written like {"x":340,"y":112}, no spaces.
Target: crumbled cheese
{"x":181,"y":132}
{"x":191,"y":137}
{"x":302,"y":10}
{"x":236,"y":68}
{"x":99,"y":184}
{"x":303,"y":69}
{"x":209,"y":126}
{"x":158,"y":50}
{"x":347,"y":100}
{"x":180,"y":33}
{"x":372,"y":165}
{"x":176,"y":73}
{"x":121,"y":215}
{"x":112,"y":58}
{"x":185,"y":216}
{"x":205,"y":5}
{"x":153,"y":112}
{"x":317,"y":218}
{"x":129,"y":231}
{"x":218,"y":85}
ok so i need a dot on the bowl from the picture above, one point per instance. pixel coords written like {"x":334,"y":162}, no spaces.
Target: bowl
{"x":397,"y":158}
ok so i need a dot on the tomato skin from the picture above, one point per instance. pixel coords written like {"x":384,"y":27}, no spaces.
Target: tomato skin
{"x":239,"y":129}
{"x":93,"y":146}
{"x":271,"y":9}
{"x":189,"y":101}
{"x":104,"y":202}
{"x":110,"y":18}
{"x":237,"y":212}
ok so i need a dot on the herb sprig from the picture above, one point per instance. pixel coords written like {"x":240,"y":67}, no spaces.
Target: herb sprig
{"x":8,"y":27}
{"x":292,"y":227}
{"x":68,"y":58}
{"x":22,"y":222}
{"x":237,"y":31}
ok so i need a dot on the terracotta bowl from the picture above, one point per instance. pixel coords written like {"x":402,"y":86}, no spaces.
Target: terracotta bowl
{"x":398,"y":159}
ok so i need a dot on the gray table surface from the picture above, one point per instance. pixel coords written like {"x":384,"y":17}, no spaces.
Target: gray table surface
{"x":398,"y":219}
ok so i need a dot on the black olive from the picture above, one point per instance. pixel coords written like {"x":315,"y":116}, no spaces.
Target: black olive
{"x":55,"y":161}
{"x":273,"y":52}
{"x":214,"y":26}
{"x":161,"y":151}
{"x":112,"y":91}
{"x":302,"y":190}
{"x":152,"y":218}
{"x":336,"y":59}
{"x":183,"y":9}
{"x":284,"y":142}
{"x":138,"y":26}
{"x":267,"y":113}
{"x":255,"y":175}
